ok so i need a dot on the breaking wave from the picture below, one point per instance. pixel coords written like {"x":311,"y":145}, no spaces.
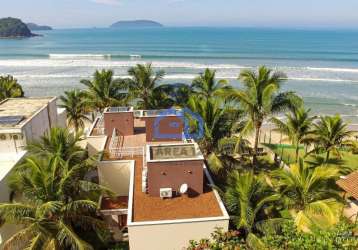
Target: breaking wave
{"x":83,"y":65}
{"x":170,"y":77}
{"x":79,"y":56}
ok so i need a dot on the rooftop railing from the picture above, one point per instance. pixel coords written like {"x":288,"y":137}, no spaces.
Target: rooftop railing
{"x":98,"y":129}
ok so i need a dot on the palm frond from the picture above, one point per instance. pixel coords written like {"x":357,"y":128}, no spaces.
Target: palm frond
{"x":255,"y":243}
{"x":16,"y":213}
{"x":68,"y":238}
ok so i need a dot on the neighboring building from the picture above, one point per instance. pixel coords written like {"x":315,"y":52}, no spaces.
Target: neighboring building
{"x":163,"y":188}
{"x":349,"y":184}
{"x":21,"y":121}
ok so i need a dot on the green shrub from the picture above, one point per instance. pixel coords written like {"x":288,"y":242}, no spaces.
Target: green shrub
{"x":341,"y":237}
{"x":220,"y":241}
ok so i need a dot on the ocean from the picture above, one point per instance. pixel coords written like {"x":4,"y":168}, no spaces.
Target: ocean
{"x":322,"y":65}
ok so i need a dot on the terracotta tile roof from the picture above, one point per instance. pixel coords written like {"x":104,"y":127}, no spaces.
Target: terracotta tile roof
{"x":148,"y":208}
{"x":350,"y":184}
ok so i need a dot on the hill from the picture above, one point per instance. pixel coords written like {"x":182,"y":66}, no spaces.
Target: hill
{"x":13,"y":28}
{"x":34,"y":27}
{"x":136,"y":24}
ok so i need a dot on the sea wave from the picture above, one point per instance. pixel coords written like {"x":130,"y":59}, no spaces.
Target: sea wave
{"x":56,"y":60}
{"x":351,"y":70}
{"x":193,"y":55}
{"x":176,"y":69}
{"x":79,"y":56}
{"x":109,"y":63}
{"x":170,"y":77}
{"x":321,"y":79}
{"x":103,"y":60}
{"x":349,"y":104}
{"x":58,"y":76}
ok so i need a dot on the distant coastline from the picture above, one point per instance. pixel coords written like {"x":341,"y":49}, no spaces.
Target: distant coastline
{"x":36,"y":27}
{"x":137,"y":24}
{"x":14,"y":28}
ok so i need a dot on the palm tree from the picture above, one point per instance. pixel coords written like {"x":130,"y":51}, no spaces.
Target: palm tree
{"x":218,"y":120}
{"x":58,"y":205}
{"x":75,"y":104}
{"x":10,"y":88}
{"x":309,"y":194}
{"x":246,"y":196}
{"x":206,"y":86}
{"x":178,"y":93}
{"x":59,"y":145}
{"x":330,"y":133}
{"x":297,"y":127}
{"x":260,"y":98}
{"x":104,"y":91}
{"x":143,"y":87}
{"x":225,"y":158}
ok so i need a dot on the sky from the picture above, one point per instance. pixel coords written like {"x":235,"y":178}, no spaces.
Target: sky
{"x":257,"y":13}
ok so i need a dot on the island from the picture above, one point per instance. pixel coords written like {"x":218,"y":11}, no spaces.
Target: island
{"x":136,"y":24}
{"x":14,"y":28}
{"x":36,"y":27}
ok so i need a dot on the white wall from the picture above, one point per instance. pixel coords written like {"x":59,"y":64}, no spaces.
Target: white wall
{"x":52,"y":111}
{"x":42,"y":121}
{"x":7,"y":146}
{"x":175,"y":236}
{"x":115,"y":175}
{"x":37,"y":126}
{"x":95,"y":144}
{"x":61,"y":118}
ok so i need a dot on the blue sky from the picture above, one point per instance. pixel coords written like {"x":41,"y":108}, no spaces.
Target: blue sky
{"x":271,"y":13}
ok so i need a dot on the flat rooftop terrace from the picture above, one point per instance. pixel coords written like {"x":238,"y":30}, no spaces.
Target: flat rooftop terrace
{"x":148,"y":208}
{"x":14,"y":112}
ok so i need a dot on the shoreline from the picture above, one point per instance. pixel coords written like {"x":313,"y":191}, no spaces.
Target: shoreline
{"x":19,"y":37}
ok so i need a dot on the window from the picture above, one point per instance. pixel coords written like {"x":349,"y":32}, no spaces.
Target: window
{"x":17,"y":136}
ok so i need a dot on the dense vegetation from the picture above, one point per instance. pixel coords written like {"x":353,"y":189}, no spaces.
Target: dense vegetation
{"x":57,"y":206}
{"x":13,"y":28}
{"x":287,"y":237}
{"x":272,"y":206}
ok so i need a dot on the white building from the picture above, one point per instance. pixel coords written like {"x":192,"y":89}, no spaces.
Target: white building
{"x":164,"y":190}
{"x":21,"y":121}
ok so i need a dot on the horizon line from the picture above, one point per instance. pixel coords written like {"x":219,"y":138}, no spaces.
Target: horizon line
{"x":293,"y":27}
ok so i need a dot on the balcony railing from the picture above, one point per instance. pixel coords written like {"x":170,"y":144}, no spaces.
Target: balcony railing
{"x":126,"y":152}
{"x":117,"y":150}
{"x":98,"y":129}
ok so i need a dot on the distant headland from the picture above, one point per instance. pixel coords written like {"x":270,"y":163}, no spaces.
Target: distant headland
{"x":36,"y":27}
{"x":136,"y":24}
{"x":14,"y":28}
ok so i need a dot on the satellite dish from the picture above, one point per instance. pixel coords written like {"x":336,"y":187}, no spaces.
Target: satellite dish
{"x":183,"y":188}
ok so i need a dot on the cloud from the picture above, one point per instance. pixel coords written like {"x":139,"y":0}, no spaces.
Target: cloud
{"x":108,"y":2}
